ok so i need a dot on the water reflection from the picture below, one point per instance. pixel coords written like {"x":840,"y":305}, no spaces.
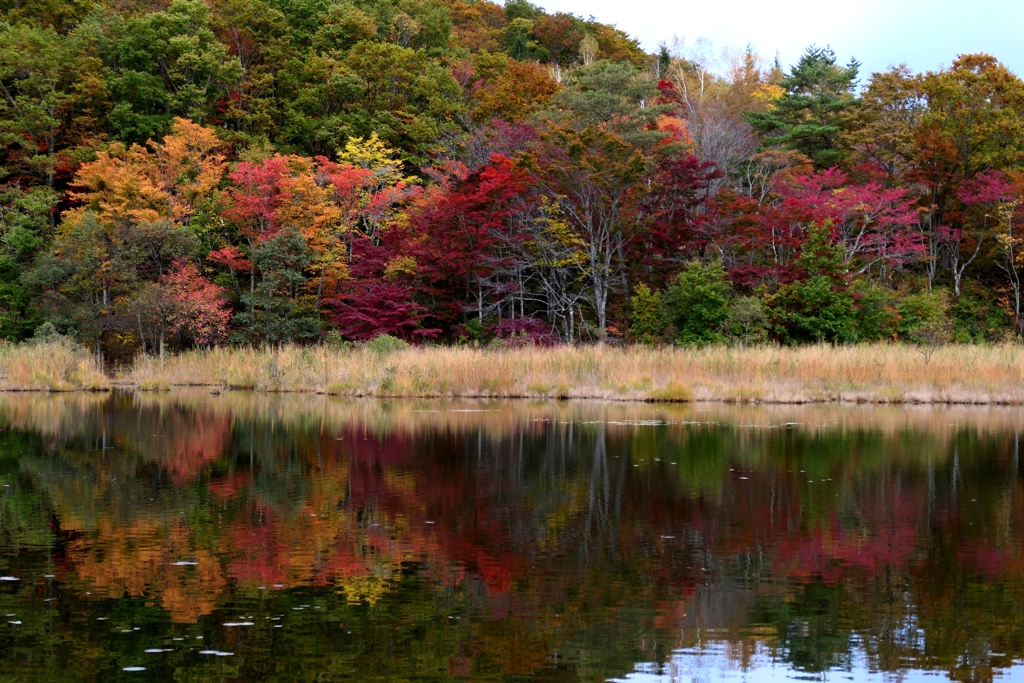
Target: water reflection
{"x":253,"y":537}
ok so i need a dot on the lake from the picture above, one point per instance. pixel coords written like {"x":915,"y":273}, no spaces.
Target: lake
{"x":247,"y":537}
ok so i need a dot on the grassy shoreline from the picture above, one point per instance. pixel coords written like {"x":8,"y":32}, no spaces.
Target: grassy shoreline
{"x":50,"y":366}
{"x":884,"y":373}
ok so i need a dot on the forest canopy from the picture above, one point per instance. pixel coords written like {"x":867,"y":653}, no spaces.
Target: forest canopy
{"x":197,"y":172}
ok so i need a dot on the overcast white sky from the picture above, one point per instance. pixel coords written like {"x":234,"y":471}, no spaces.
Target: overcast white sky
{"x":924,"y":34}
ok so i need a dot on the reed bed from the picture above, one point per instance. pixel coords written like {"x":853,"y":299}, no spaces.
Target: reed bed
{"x":50,"y":366}
{"x":884,"y":373}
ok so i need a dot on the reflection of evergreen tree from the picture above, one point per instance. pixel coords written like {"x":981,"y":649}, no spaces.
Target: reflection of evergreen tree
{"x":811,"y":634}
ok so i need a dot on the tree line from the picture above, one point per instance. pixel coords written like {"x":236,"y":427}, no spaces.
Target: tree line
{"x":301,"y":171}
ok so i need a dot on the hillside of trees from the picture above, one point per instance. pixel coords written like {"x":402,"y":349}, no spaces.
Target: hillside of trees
{"x":260,"y":172}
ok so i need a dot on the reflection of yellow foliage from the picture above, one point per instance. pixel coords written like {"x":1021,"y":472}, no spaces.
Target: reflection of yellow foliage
{"x":138,"y":560}
{"x":191,"y":592}
{"x":517,"y":647}
{"x":574,"y":492}
{"x":50,"y":414}
{"x":368,"y":587}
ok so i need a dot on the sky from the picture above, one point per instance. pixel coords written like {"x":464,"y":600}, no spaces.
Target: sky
{"x":926,"y":35}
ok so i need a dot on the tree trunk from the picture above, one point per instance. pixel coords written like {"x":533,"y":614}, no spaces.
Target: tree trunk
{"x":142,"y":336}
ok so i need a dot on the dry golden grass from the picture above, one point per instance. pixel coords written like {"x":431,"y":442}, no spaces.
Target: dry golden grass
{"x":49,"y":366}
{"x":869,"y":373}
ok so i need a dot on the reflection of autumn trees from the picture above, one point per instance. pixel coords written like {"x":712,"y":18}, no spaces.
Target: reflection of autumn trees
{"x":139,"y":559}
{"x":896,"y":529}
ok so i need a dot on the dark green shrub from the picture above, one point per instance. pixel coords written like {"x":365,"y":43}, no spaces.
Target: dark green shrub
{"x":821,"y":307}
{"x":697,"y":303}
{"x":814,"y":310}
{"x":978,"y":318}
{"x":876,"y":315}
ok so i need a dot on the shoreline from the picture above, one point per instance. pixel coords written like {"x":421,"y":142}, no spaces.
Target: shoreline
{"x":881,"y":374}
{"x":727,"y":400}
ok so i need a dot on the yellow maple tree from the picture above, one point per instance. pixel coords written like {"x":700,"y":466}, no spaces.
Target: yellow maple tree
{"x":165,"y":181}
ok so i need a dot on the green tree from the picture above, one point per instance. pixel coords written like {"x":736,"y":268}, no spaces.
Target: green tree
{"x":810,"y":115}
{"x":522,"y":9}
{"x":79,"y":279}
{"x":24,"y":219}
{"x":261,"y":38}
{"x":345,"y":26}
{"x":925,"y":321}
{"x":747,"y":321}
{"x":275,"y":312}
{"x":60,"y":15}
{"x":646,"y":315}
{"x":697,"y":302}
{"x":167,"y":64}
{"x":875,"y":310}
{"x":922,"y":312}
{"x":399,"y":93}
{"x":592,"y":178}
{"x":614,"y":96}
{"x":51,"y":93}
{"x":820,"y":307}
{"x":304,"y":17}
{"x":520,"y":44}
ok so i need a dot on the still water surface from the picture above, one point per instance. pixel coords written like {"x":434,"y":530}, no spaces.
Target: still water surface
{"x":190,"y":537}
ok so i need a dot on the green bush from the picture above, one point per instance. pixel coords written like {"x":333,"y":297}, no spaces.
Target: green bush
{"x":814,"y":310}
{"x":334,"y":340}
{"x":919,"y":312}
{"x":697,"y":303}
{"x":47,"y":333}
{"x":673,"y":393}
{"x":978,"y":318}
{"x":747,"y":321}
{"x":876,"y":315}
{"x":385,"y":344}
{"x":821,"y":307}
{"x":646,"y":315}
{"x":475,"y":329}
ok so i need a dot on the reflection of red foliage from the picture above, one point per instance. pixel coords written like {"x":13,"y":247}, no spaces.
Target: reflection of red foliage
{"x":492,"y":571}
{"x":190,"y":443}
{"x":460,"y":666}
{"x":257,"y":553}
{"x":830,"y":553}
{"x":227,"y":489}
{"x":343,"y":563}
{"x":378,"y":502}
{"x":455,"y":523}
{"x":988,"y":562}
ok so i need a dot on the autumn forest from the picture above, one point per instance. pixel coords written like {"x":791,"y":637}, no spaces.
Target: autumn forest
{"x":178,"y":175}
